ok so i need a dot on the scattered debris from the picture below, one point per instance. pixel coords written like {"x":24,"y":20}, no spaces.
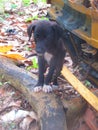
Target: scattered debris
{"x":15,"y":111}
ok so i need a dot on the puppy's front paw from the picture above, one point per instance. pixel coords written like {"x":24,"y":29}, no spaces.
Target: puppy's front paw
{"x":47,"y":88}
{"x":37,"y":89}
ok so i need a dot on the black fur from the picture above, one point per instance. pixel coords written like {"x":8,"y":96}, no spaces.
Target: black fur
{"x":48,"y":39}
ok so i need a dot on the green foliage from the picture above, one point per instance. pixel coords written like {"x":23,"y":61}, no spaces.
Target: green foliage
{"x":20,"y":13}
{"x":35,"y":18}
{"x":3,"y":16}
{"x":1,"y":83}
{"x":34,"y":64}
{"x":44,"y":18}
{"x":27,"y":48}
{"x":13,"y":6}
{"x":1,"y":8}
{"x":37,"y":1}
{"x":87,"y":83}
{"x":31,"y":18}
{"x":26,"y":2}
{"x":1,"y":19}
{"x":9,"y":125}
{"x":1,"y":1}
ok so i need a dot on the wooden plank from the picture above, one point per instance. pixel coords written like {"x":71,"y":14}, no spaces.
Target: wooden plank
{"x":83,"y":90}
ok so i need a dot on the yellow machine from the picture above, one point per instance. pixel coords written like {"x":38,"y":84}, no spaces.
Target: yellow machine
{"x":79,"y":19}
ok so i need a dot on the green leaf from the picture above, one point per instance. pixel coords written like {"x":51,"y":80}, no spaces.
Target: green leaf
{"x":13,"y":6}
{"x":37,"y":1}
{"x":87,"y":83}
{"x":6,"y":15}
{"x":1,"y":83}
{"x":35,"y":18}
{"x":27,"y":48}
{"x":1,"y":7}
{"x":31,"y":18}
{"x":29,"y":67}
{"x":44,"y":18}
{"x":1,"y":19}
{"x":20,"y":13}
{"x":35,"y":64}
{"x":26,"y":2}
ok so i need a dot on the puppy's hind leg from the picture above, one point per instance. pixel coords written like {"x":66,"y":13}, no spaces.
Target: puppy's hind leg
{"x":58,"y":69}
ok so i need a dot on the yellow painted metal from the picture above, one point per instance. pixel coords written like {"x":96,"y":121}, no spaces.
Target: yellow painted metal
{"x":84,"y":91}
{"x":91,"y":39}
{"x":58,"y":2}
{"x":79,"y":7}
{"x":57,"y":5}
{"x":94,"y":31}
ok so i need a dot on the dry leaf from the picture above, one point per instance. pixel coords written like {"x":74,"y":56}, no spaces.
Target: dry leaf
{"x":33,"y":45}
{"x":15,"y":103}
{"x":15,"y":56}
{"x":6,"y":48}
{"x":25,"y":124}
{"x":2,"y":92}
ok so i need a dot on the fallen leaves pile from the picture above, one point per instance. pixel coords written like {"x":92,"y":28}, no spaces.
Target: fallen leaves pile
{"x":13,"y":34}
{"x":15,"y":111}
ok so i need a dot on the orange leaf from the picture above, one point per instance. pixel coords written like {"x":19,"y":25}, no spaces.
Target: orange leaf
{"x":6,"y":48}
{"x":14,"y":56}
{"x":33,"y":45}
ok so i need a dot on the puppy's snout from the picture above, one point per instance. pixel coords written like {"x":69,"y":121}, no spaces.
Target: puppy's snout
{"x":39,"y":50}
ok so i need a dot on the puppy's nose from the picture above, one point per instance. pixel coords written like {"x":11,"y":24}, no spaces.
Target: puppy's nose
{"x":39,"y":50}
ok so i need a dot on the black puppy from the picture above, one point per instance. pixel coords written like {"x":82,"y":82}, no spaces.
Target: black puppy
{"x":50,"y":49}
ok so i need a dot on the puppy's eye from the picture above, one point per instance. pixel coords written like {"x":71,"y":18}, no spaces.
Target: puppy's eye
{"x":37,"y":36}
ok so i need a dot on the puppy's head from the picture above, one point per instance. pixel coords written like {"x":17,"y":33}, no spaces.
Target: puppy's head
{"x":46,"y":35}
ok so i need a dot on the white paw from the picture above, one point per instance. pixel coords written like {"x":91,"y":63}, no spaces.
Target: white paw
{"x":47,"y":88}
{"x":37,"y":89}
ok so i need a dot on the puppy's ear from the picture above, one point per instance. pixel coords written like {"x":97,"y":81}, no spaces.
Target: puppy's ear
{"x":58,"y":31}
{"x":31,"y":28}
